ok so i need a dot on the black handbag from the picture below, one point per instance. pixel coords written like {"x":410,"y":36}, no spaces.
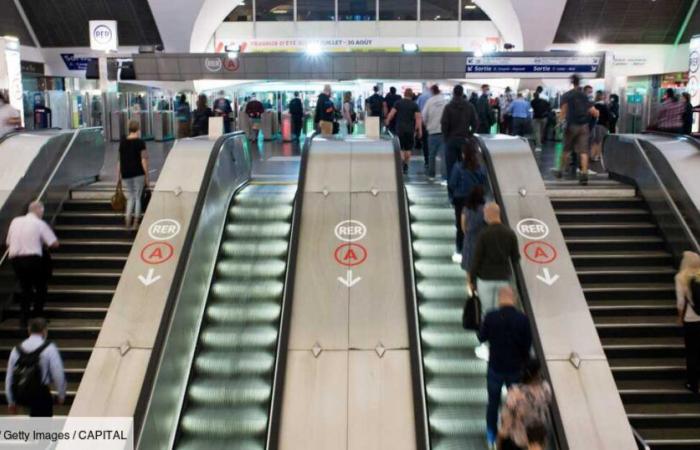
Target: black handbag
{"x":471,"y":316}
{"x":145,"y":198}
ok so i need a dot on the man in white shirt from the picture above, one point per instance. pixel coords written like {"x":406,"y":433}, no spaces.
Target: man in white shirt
{"x":50,"y":365}
{"x":9,"y":116}
{"x":432,"y":115}
{"x":26,"y":239}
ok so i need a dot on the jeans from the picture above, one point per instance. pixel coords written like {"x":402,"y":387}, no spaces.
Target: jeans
{"x":520,"y":126}
{"x":539,"y":126}
{"x":494,"y":384}
{"x":436,"y":146}
{"x":488,"y":293}
{"x":133,"y":188}
{"x":453,"y":154}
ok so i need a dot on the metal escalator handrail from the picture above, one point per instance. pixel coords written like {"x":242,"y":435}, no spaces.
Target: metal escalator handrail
{"x":419,"y":393}
{"x":557,"y":430}
{"x":155,"y":361}
{"x":692,"y":139}
{"x":50,"y":179}
{"x":279,"y":373}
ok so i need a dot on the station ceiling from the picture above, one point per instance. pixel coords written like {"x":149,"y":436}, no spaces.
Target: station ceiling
{"x":64,"y":23}
{"x":626,"y":21}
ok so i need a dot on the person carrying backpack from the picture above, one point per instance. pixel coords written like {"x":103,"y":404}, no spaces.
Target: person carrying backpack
{"x":688,"y":304}
{"x":33,"y":366}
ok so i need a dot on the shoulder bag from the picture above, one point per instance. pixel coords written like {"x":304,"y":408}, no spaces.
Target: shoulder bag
{"x":118,"y":199}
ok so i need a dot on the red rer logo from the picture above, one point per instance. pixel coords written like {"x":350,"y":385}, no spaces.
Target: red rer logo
{"x":157,"y":252}
{"x":350,"y":254}
{"x":540,"y":252}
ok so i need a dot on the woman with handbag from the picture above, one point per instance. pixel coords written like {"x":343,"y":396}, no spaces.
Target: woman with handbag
{"x":688,"y":283}
{"x":132,"y":171}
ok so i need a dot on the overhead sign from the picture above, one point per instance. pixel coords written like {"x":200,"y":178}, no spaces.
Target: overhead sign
{"x":103,"y":35}
{"x":546,"y":65}
{"x":76,"y":62}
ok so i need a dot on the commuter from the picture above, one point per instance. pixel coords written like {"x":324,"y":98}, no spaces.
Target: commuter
{"x":687,"y":113}
{"x":602,"y":127}
{"x":33,"y":366}
{"x":222,"y":108}
{"x":484,"y":110}
{"x":325,"y":112}
{"x":183,"y":114}
{"x":9,"y":116}
{"x":540,"y":116}
{"x":614,"y":108}
{"x":376,"y":106}
{"x":408,"y":125}
{"x":687,"y":295}
{"x":670,"y":116}
{"x":472,"y":224}
{"x":96,"y":112}
{"x":27,"y":238}
{"x":254,"y":108}
{"x":432,"y":115}
{"x":349,"y":112}
{"x":458,"y":122}
{"x":474,"y":100}
{"x":504,"y":101}
{"x":296,"y":110}
{"x":525,"y":413}
{"x":200,"y":117}
{"x":496,"y":247}
{"x":391,"y":98}
{"x":577,"y":111}
{"x":519,"y":110}
{"x":507,"y":332}
{"x":422,"y":99}
{"x":132,"y":170}
{"x":465,"y":177}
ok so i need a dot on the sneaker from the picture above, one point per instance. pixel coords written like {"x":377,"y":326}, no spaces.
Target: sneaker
{"x":491,"y":439}
{"x":457,"y":258}
{"x":538,"y":149}
{"x":557,"y":173}
{"x":592,"y":172}
{"x":583,"y":179}
{"x":443,"y":183}
{"x":482,"y":352}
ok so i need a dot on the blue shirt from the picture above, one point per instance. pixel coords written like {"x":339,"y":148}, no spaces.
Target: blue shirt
{"x":50,"y":362}
{"x":423,"y":98}
{"x":520,"y":108}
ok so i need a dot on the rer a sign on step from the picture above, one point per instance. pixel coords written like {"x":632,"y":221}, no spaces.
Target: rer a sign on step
{"x":532,"y":229}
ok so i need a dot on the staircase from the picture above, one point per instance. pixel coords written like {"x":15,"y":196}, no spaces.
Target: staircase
{"x":94,"y":246}
{"x":627,"y":275}
{"x":455,"y":380}
{"x":228,"y":395}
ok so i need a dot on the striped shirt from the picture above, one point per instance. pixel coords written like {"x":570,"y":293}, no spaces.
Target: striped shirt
{"x":670,"y":115}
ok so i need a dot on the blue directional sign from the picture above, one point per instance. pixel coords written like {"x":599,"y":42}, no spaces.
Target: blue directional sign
{"x":555,"y":66}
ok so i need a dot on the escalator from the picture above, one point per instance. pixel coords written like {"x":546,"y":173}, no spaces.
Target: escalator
{"x":86,"y":270}
{"x":228,"y":396}
{"x":455,"y":380}
{"x":627,"y":274}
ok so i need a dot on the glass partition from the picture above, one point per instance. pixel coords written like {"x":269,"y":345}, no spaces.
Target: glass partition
{"x":439,"y":9}
{"x":470,"y":11}
{"x":322,"y":10}
{"x":357,"y":10}
{"x":398,"y":10}
{"x":274,"y":10}
{"x":242,"y":12}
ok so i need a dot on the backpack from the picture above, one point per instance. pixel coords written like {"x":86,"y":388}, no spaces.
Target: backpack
{"x":376,"y":103}
{"x":695,"y":293}
{"x":27,"y":381}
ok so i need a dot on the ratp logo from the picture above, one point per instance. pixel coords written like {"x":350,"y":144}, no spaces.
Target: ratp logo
{"x":102,"y":34}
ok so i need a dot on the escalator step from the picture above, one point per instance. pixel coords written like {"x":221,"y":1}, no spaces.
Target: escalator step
{"x":235,"y":337}
{"x":234,"y":363}
{"x":252,"y":248}
{"x":235,"y":313}
{"x":249,"y":213}
{"x":256,"y":230}
{"x":457,"y":391}
{"x":224,"y":422}
{"x":428,"y":248}
{"x":435,"y":269}
{"x":228,"y":392}
{"x":220,"y":444}
{"x":445,"y":336}
{"x":233,"y":269}
{"x":454,"y":362}
{"x":441,"y":290}
{"x":232,"y":290}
